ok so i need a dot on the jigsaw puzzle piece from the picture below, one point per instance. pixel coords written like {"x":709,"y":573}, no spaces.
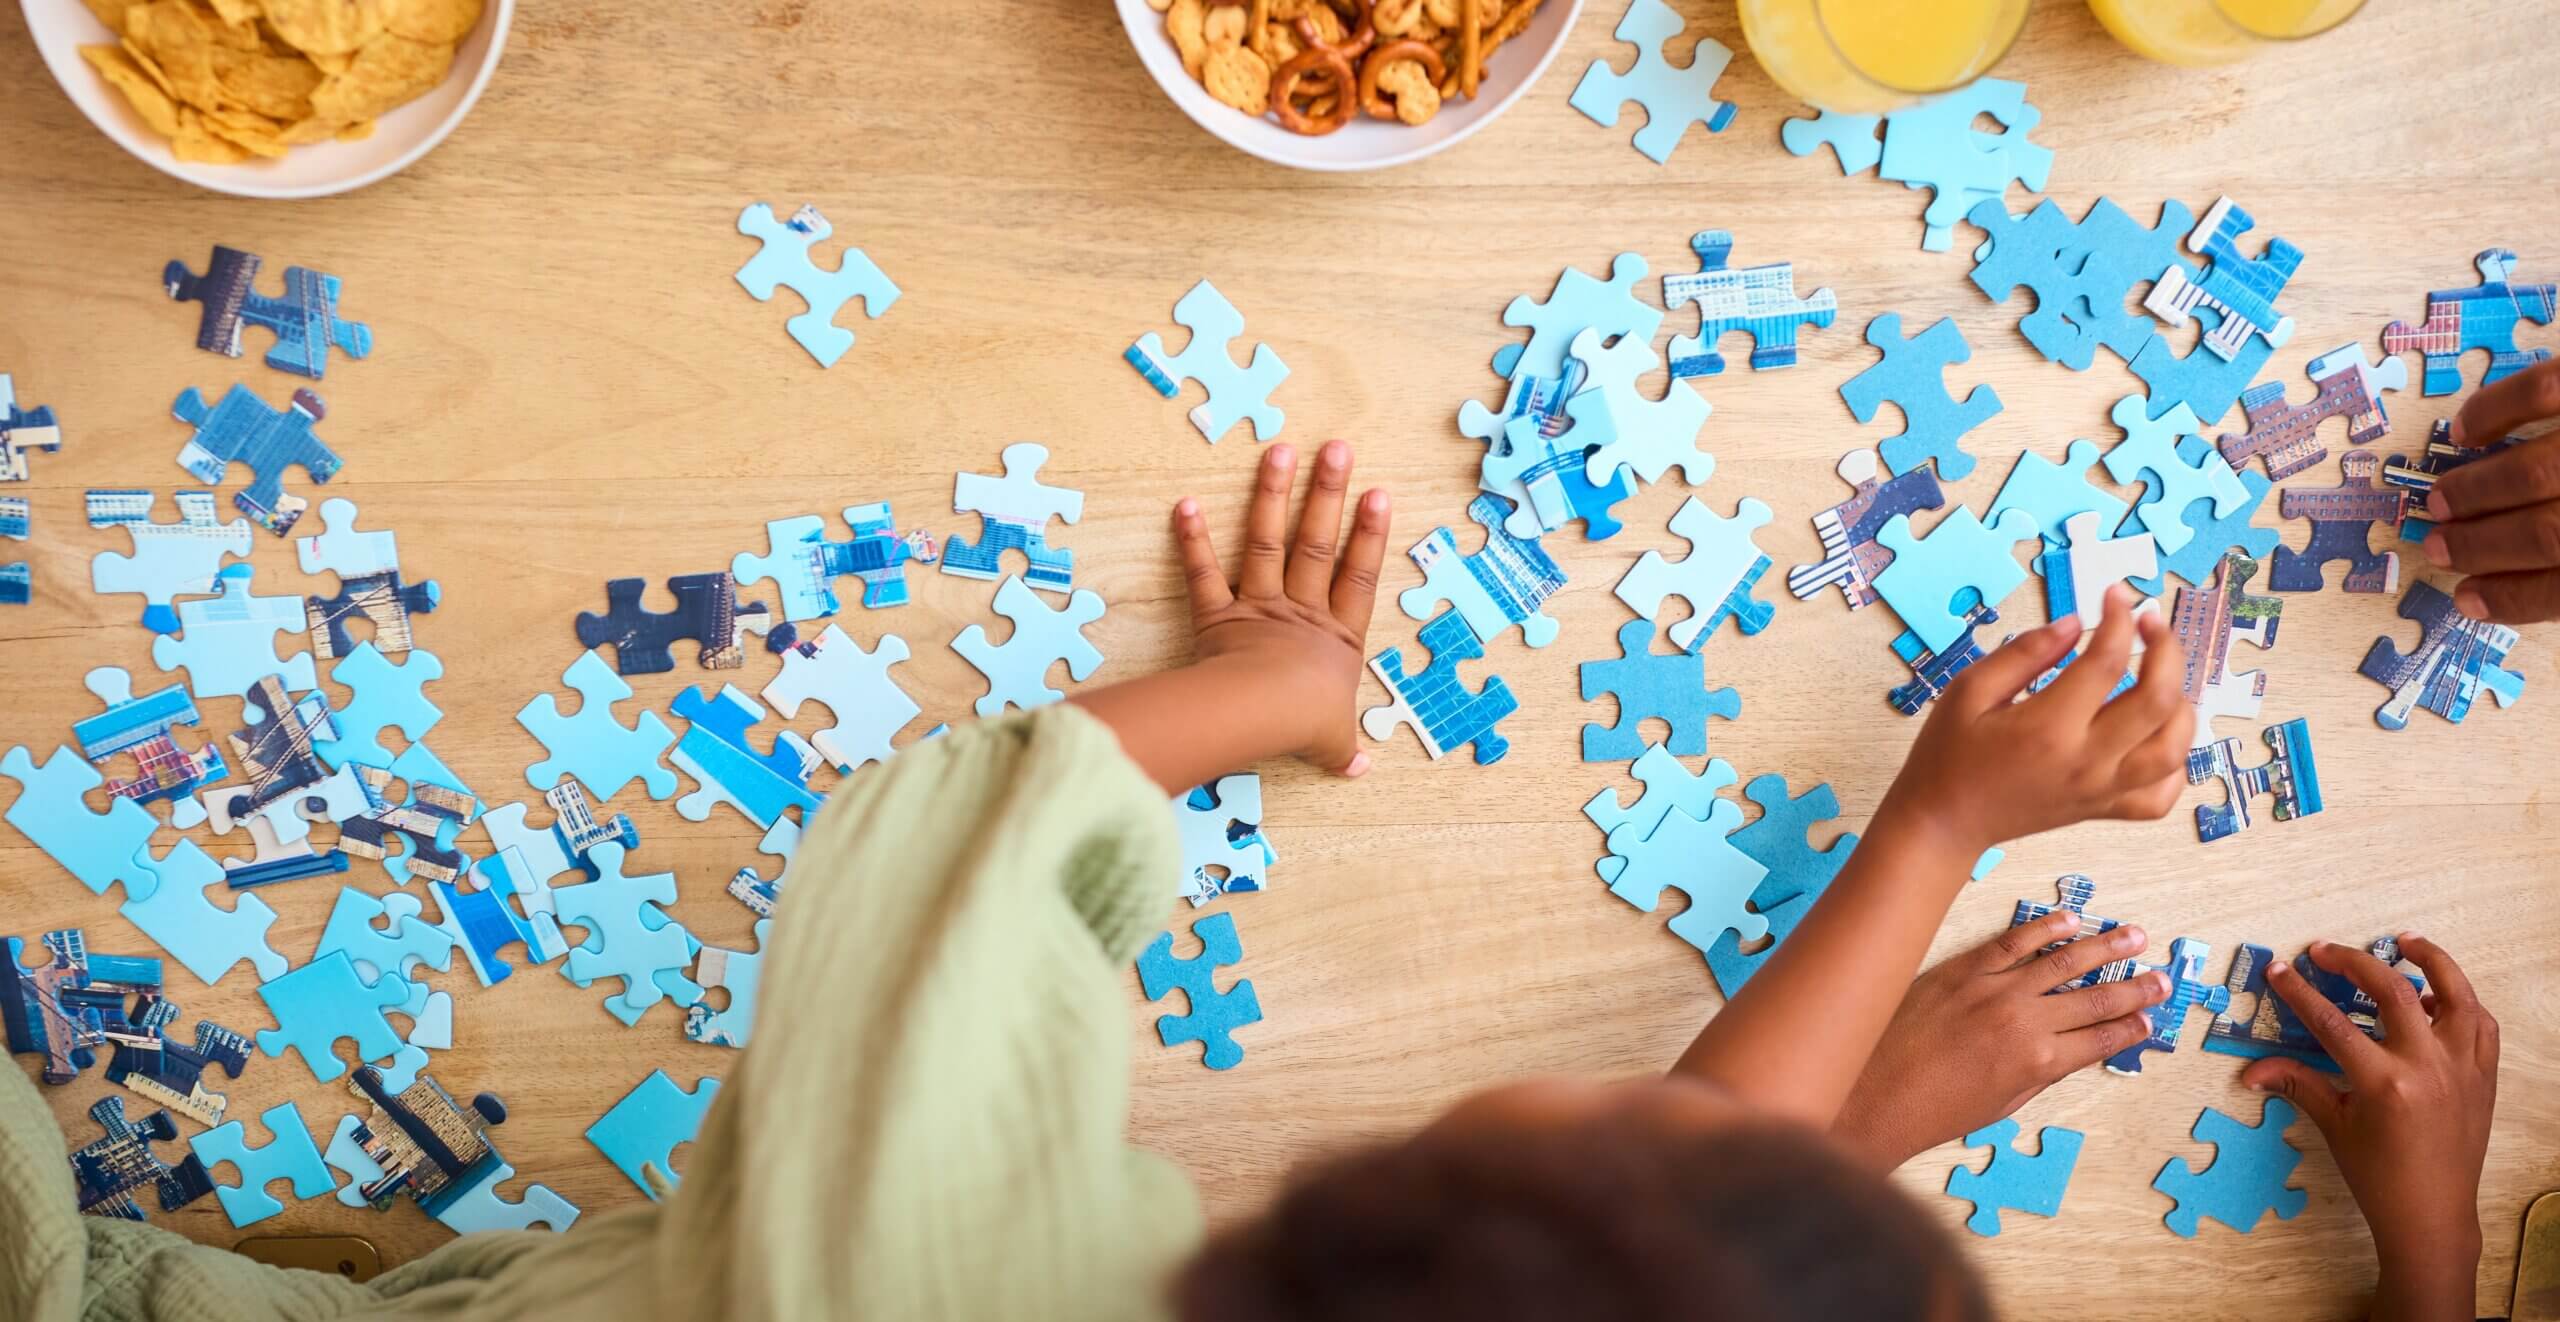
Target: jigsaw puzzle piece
{"x":169,"y":559}
{"x":2187,"y":991}
{"x":1649,"y":437}
{"x":2055,"y":493}
{"x":384,"y":935}
{"x":2205,"y":622}
{"x":479,"y":1207}
{"x":145,"y":728}
{"x":1961,"y":553}
{"x":2242,"y":289}
{"x":737,"y":973}
{"x":290,"y":1157}
{"x":629,"y":937}
{"x":1498,"y":586}
{"x":2013,"y":1180}
{"x":2248,"y":1178}
{"x":869,"y":705}
{"x":1017,"y":669}
{"x":23,"y":432}
{"x":305,"y":321}
{"x":2206,"y":384}
{"x":100,"y":849}
{"x":2290,"y":774}
{"x":1697,"y":857}
{"x":1716,"y":577}
{"x":785,"y":260}
{"x":717,"y":753}
{"x":1610,"y":308}
{"x":1851,"y":555}
{"x":1014,"y":513}
{"x":107,"y":1170}
{"x":593,"y":746}
{"x":707,"y":611}
{"x":2175,"y":467}
{"x":2456,"y":658}
{"x":1668,"y":786}
{"x":2210,"y":537}
{"x":1213,"y":1015}
{"x":2269,"y":1026}
{"x":1220,"y":826}
{"x":1671,"y":688}
{"x":2080,"y":274}
{"x":2287,"y":436}
{"x":1910,"y":374}
{"x":1798,"y":874}
{"x":204,"y":937}
{"x":242,"y":429}
{"x":1234,"y":393}
{"x":2342,"y":519}
{"x":640,"y":1133}
{"x":324,"y":1000}
{"x":2458,"y":321}
{"x":1935,"y":145}
{"x":1759,"y":301}
{"x":1673,"y":97}
{"x":227,"y":644}
{"x":1434,"y":701}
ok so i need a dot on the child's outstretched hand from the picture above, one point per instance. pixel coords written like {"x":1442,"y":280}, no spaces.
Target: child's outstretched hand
{"x":1989,"y":768}
{"x":1977,"y":1036}
{"x":2411,"y":1128}
{"x":1290,"y":628}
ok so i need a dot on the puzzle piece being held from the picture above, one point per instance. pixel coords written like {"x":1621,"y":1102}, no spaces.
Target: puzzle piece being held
{"x":1961,"y":553}
{"x":305,"y":321}
{"x":2248,"y":1177}
{"x":640,"y":1133}
{"x":1759,"y":301}
{"x":2259,"y":1023}
{"x":785,"y":260}
{"x":242,"y":429}
{"x":1673,"y":97}
{"x":1234,"y":393}
{"x":1851,"y":555}
{"x":1911,"y":375}
{"x":2458,"y":321}
{"x":1715,"y":578}
{"x":1434,"y":701}
{"x":2290,"y":774}
{"x":2187,"y":991}
{"x":2457,"y":657}
{"x":169,"y":559}
{"x":2014,"y":1180}
{"x":2415,"y":481}
{"x":1669,"y":687}
{"x":1213,"y":1015}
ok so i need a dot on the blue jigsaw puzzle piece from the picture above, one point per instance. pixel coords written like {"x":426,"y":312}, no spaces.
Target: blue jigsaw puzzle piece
{"x":1500,"y":585}
{"x":784,"y":260}
{"x":629,"y":936}
{"x":388,"y":696}
{"x":227,"y":643}
{"x":325,"y":1000}
{"x":1673,"y":97}
{"x":169,"y":559}
{"x":2015,"y":1181}
{"x":1961,"y":553}
{"x":2053,"y":492}
{"x":2081,"y":275}
{"x":1911,"y":375}
{"x":593,"y":746}
{"x":1851,"y":557}
{"x":1017,"y":669}
{"x":2271,"y":1028}
{"x":1611,"y":307}
{"x":291,"y":1157}
{"x":2241,"y":289}
{"x":2290,"y":775}
{"x":2458,"y":321}
{"x":1213,"y":1015}
{"x":23,"y":432}
{"x":1798,"y":874}
{"x":717,"y":752}
{"x":1759,"y":301}
{"x":640,"y":1133}
{"x":1669,"y":687}
{"x":2456,"y":658}
{"x":109,"y":1169}
{"x":1434,"y":701}
{"x":242,"y":429}
{"x":2205,"y":382}
{"x":1697,"y":857}
{"x":2187,"y":991}
{"x":2209,"y":536}
{"x":1668,"y":787}
{"x":197,"y":933}
{"x":1235,"y":393}
{"x":305,"y":321}
{"x":98,"y":848}
{"x":1933,"y":669}
{"x":2247,"y":1179}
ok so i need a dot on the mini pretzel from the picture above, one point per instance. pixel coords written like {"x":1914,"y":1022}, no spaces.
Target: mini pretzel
{"x":1328,"y":64}
{"x":1352,"y":46}
{"x":1421,"y":52}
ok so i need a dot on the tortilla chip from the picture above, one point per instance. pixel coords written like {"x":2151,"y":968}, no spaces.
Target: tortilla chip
{"x":194,"y":142}
{"x":109,"y":12}
{"x":276,"y":86}
{"x":143,"y":61}
{"x":253,"y":133}
{"x":325,"y":26}
{"x":434,"y":22}
{"x":329,"y":62}
{"x":181,"y":41}
{"x":356,"y":132}
{"x":235,"y":13}
{"x":149,"y":100}
{"x":314,"y":129}
{"x":390,"y":71}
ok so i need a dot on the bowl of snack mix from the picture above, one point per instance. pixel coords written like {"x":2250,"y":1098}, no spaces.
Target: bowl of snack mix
{"x":1346,"y":84}
{"x":273,"y":98}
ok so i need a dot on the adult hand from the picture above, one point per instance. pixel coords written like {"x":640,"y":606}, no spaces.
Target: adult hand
{"x":2498,"y":518}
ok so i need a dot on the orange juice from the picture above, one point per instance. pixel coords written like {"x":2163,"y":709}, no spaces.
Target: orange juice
{"x":2208,"y":32}
{"x":1869,"y":56}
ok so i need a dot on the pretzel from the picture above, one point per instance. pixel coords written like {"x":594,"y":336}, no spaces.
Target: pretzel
{"x":1470,"y":45}
{"x":1421,"y":52}
{"x":1352,"y":46}
{"x":1328,"y":63}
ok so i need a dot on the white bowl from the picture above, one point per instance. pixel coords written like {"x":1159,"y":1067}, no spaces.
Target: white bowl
{"x":62,"y":27}
{"x":1364,"y":143}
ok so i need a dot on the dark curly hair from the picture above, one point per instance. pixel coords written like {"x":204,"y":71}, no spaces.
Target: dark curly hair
{"x":1591,"y":1223}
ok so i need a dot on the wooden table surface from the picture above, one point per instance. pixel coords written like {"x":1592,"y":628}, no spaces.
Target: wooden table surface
{"x":568,"y":387}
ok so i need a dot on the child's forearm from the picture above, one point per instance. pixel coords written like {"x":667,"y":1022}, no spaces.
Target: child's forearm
{"x":1793,"y":1041}
{"x":1197,"y":722}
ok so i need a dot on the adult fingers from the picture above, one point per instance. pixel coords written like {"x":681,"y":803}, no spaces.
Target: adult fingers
{"x":1355,"y":580}
{"x":2083,"y":1047}
{"x":2395,"y":1001}
{"x":2524,"y":475}
{"x":2494,"y":410}
{"x":1310,"y":572}
{"x":2106,"y":1001}
{"x":2446,"y":982}
{"x":2346,"y":1044}
{"x":2102,"y":657}
{"x":2061,"y":965}
{"x":1201,"y":577}
{"x":2528,"y":598}
{"x":1266,"y":524}
{"x":2019,"y":944}
{"x":2505,"y":542}
{"x":2313,"y":1093}
{"x":1993,"y":681}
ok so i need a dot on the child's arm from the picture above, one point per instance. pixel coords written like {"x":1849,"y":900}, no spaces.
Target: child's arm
{"x":1277,"y":654}
{"x":1986,"y":768}
{"x":1978,"y":1036}
{"x":2411,"y":1128}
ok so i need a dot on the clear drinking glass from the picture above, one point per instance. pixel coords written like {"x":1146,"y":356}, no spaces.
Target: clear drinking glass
{"x":1871,"y":56}
{"x":2200,"y":33}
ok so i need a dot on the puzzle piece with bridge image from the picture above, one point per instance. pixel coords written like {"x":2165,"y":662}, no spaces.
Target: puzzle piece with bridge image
{"x":2290,"y":775}
{"x":2457,"y":657}
{"x":305,"y":321}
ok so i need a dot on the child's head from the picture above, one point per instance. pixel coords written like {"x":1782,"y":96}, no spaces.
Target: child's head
{"x":1625,"y":1202}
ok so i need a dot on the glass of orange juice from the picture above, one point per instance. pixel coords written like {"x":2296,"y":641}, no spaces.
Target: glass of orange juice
{"x":1870,"y":56}
{"x":2198,"y":33}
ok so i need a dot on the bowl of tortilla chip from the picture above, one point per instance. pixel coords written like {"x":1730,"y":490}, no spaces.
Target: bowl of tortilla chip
{"x":273,"y":98}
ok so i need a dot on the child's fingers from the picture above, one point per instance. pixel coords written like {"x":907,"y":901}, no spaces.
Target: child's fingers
{"x":2446,"y":982}
{"x":2089,"y":952}
{"x":2346,"y":1044}
{"x":1355,"y":580}
{"x":2395,"y":1002}
{"x":2152,"y":774}
{"x":2102,"y":658}
{"x":1266,"y":524}
{"x":1995,"y":680}
{"x":1206,"y":583}
{"x":2019,"y":944}
{"x":2313,"y":1093}
{"x":2083,"y":1047}
{"x":2157,"y":696}
{"x":1310,"y":573}
{"x":2087,"y":1006}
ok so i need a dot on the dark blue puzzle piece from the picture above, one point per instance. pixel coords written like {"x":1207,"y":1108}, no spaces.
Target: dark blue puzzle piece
{"x":305,"y":320}
{"x":2457,"y":657}
{"x":2416,"y":481}
{"x":108,"y":1170}
{"x":2202,"y":381}
{"x":707,"y":611}
{"x":384,"y":600}
{"x":2290,"y":774}
{"x":1851,"y":557}
{"x":2269,"y":1027}
{"x":1670,"y":687}
{"x":242,"y":429}
{"x":1932,"y":672}
{"x":2342,"y":519}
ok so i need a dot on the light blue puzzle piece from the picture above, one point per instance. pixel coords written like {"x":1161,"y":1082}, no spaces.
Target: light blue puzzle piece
{"x":2014,"y":1180}
{"x":227,"y":644}
{"x":384,"y":935}
{"x":1911,"y":375}
{"x":785,"y":260}
{"x":2209,"y":536}
{"x":1982,"y":866}
{"x":640,"y":1134}
{"x":1013,"y":514}
{"x":1798,"y":874}
{"x":1715,"y":578}
{"x":1934,"y":145}
{"x":716,"y":752}
{"x":1854,"y":139}
{"x":738,"y":971}
{"x":2054,"y":492}
{"x":2247,"y":1179}
{"x":629,"y":936}
{"x":1960,"y":553}
{"x":593,"y":746}
{"x":1695,"y":856}
{"x":347,"y":1154}
{"x":1502,"y":584}
{"x":290,"y":1157}
{"x":197,"y":933}
{"x":1759,"y":301}
{"x":480,"y":1208}
{"x":2082,"y":275}
{"x":325,"y":1000}
{"x":2205,"y":384}
{"x":389,"y":695}
{"x":1235,"y":393}
{"x":1214,"y":1015}
{"x":1434,"y":701}
{"x":805,"y":596}
{"x":100,"y":849}
{"x":1673,"y":97}
{"x":2175,"y":467}
{"x":1017,"y":670}
{"x":168,"y":558}
{"x":1610,"y":309}
{"x":1668,"y":787}
{"x":1649,"y":685}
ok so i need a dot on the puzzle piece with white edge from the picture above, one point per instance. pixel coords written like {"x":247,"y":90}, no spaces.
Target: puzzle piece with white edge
{"x":754,"y":889}
{"x":169,"y":559}
{"x":322,"y":1001}
{"x":2013,"y":1180}
{"x":1013,"y":514}
{"x":1235,"y":393}
{"x":2207,"y":621}
{"x":2252,"y":1165}
{"x":2054,"y":493}
{"x":735,"y":972}
{"x":480,"y":1208}
{"x":594,"y":746}
{"x":1651,"y":437}
{"x":1961,"y":552}
{"x":1760,"y":301}
{"x":1673,"y":97}
{"x":1506,"y":582}
{"x":1669,"y":786}
{"x":1211,"y":837}
{"x":629,"y":936}
{"x":23,"y":431}
{"x":1851,"y":556}
{"x":2206,"y":384}
{"x":2173,"y":474}
{"x":342,"y":550}
{"x":199,"y":934}
{"x":855,"y":685}
{"x":2097,"y":562}
{"x":640,"y":1133}
{"x":1435,"y":701}
{"x":1609,"y":308}
{"x":389,"y":695}
{"x":1716,"y":577}
{"x":346,"y":1153}
{"x":2242,"y":289}
{"x":227,"y":644}
{"x":1692,"y":855}
{"x":1017,"y":669}
{"x":784,"y":260}
{"x":290,"y":1157}
{"x":100,"y":849}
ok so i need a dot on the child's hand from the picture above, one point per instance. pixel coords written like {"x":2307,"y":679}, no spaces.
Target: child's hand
{"x":1977,"y":1036}
{"x":1988,"y":768}
{"x":2411,"y":1128}
{"x":1297,"y":615}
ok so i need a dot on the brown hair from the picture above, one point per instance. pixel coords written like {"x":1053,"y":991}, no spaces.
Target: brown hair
{"x":1594,"y":1223}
